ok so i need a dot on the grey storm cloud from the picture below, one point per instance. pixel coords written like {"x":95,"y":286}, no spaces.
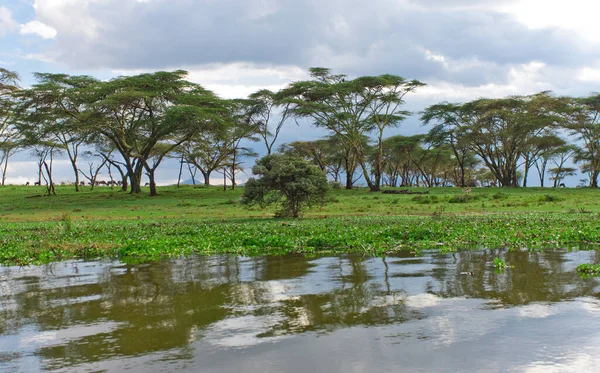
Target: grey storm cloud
{"x":357,"y":36}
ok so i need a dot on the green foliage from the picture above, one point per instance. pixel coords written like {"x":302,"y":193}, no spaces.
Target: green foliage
{"x":550,"y":198}
{"x":153,"y":238}
{"x":336,"y":185}
{"x":588,"y":269}
{"x":499,"y":196}
{"x":463,"y":198}
{"x":66,"y":220}
{"x":292,"y":183}
{"x":499,"y":263}
{"x":426,"y":200}
{"x":187,"y":220}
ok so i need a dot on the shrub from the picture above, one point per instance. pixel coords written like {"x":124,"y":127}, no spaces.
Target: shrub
{"x":336,"y":185}
{"x":463,"y":198}
{"x":499,"y":196}
{"x":426,"y":200}
{"x":550,"y":198}
{"x":290,"y":182}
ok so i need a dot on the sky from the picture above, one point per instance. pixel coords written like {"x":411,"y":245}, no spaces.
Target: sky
{"x":462,"y":49}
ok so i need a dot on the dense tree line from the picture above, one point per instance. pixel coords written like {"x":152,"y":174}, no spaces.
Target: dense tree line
{"x":130,"y":124}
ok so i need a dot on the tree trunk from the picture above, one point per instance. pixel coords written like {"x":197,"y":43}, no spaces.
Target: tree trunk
{"x":206,"y":176}
{"x":379,"y":161}
{"x":192,"y":174}
{"x":349,"y":180}
{"x":40,"y":165}
{"x":135,"y":179}
{"x":50,"y":186}
{"x":372,"y":187}
{"x":153,"y":192}
{"x":74,"y":165}
{"x":5,"y":167}
{"x":180,"y":171}
{"x":594,"y":179}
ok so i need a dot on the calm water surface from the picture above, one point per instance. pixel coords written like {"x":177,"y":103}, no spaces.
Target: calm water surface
{"x":299,"y":314}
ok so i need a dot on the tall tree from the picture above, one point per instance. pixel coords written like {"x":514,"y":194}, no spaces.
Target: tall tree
{"x":550,"y":151}
{"x":263,"y":114}
{"x":9,"y":137}
{"x":137,"y":113}
{"x":52,"y":110}
{"x":500,"y":131}
{"x":583,"y":122}
{"x":352,"y":109}
{"x":537,"y":147}
{"x":449,"y":121}
{"x":212,"y":149}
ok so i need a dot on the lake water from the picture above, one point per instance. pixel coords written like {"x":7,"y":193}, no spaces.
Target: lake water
{"x":300,"y":314}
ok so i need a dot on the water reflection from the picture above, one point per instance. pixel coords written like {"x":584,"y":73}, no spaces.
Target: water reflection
{"x":348,"y":313}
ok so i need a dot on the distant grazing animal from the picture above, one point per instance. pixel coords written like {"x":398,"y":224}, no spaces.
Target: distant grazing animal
{"x":466,"y":190}
{"x":37,"y":183}
{"x":562,"y":185}
{"x":147,"y":184}
{"x":27,"y":183}
{"x":82,"y":183}
{"x":101,"y":182}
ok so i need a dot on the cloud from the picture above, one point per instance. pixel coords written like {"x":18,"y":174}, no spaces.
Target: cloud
{"x":575,"y":15}
{"x":235,"y":80}
{"x":38,"y":28}
{"x":7,"y":23}
{"x":462,"y":41}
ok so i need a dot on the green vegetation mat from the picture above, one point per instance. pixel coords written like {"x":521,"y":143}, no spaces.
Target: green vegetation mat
{"x":107,"y":223}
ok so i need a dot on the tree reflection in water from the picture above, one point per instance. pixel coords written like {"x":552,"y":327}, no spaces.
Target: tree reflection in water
{"x":71,"y":313}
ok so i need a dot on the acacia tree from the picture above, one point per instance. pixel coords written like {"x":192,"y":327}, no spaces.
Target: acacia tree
{"x":93,"y":169}
{"x":351,"y":109}
{"x":583,"y":122}
{"x":137,"y":113}
{"x":450,"y":120}
{"x":500,"y":131}
{"x":547,"y":151}
{"x":52,"y":110}
{"x":45,"y":152}
{"x":535,"y":150}
{"x":262,"y":112}
{"x":9,"y":143}
{"x":559,"y":158}
{"x":213,"y":148}
{"x":234,"y":165}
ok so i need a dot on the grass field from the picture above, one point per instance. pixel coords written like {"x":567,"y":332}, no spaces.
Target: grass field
{"x":27,"y":204}
{"x":105,"y":222}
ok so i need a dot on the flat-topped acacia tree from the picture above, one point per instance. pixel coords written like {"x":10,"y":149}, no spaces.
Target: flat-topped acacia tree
{"x":149,"y":115}
{"x":140,"y":116}
{"x":352,"y":109}
{"x":53,"y":110}
{"x":8,"y":142}
{"x":504,"y":133}
{"x":583,"y":122}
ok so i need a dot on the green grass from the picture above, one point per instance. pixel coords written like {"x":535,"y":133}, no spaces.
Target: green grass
{"x":105,"y":222}
{"x":27,"y":204}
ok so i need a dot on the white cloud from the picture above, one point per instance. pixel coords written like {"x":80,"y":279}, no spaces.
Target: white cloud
{"x":38,"y":28}
{"x":522,"y":79}
{"x":236,"y":80}
{"x":577,"y":15}
{"x":7,"y":23}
